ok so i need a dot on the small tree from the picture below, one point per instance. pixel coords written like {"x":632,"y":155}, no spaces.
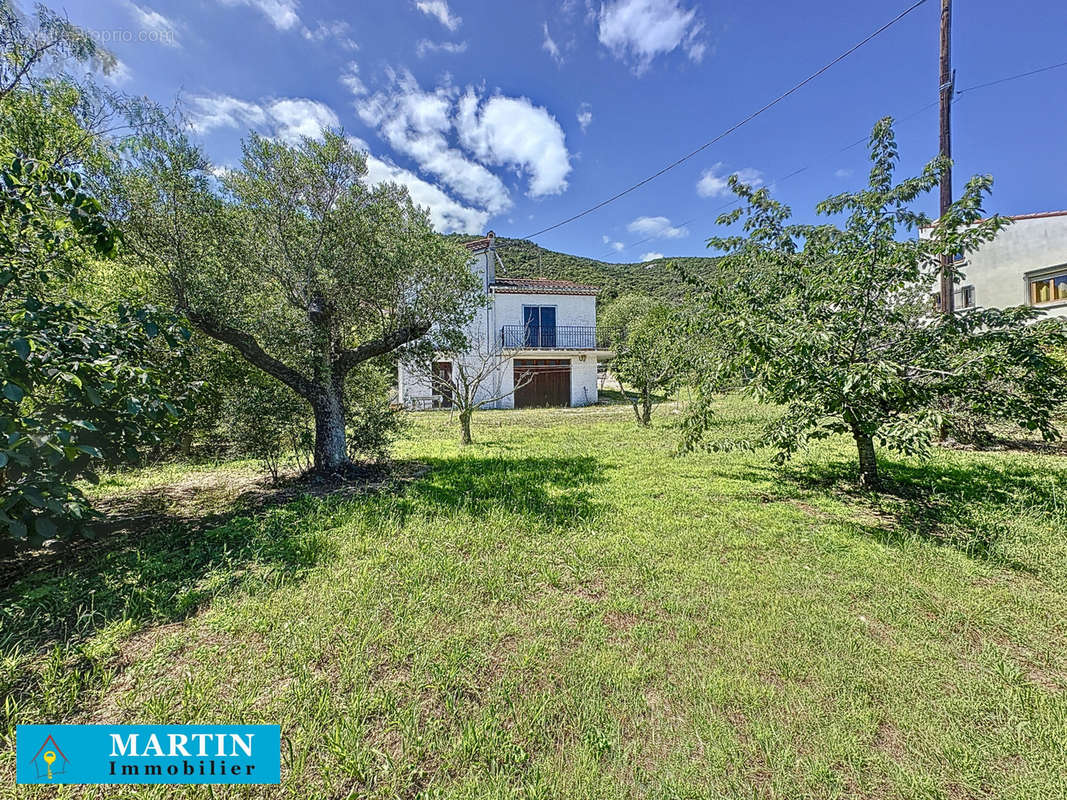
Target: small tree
{"x":642,"y":334}
{"x":476,"y":380}
{"x":298,"y":264}
{"x":836,"y":324}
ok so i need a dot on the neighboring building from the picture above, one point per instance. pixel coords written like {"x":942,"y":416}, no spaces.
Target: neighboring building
{"x":1026,"y":264}
{"x":540,"y":333}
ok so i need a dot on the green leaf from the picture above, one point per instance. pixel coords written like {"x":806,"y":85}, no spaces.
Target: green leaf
{"x":45,"y":527}
{"x":22,"y":347}
{"x":13,"y":392}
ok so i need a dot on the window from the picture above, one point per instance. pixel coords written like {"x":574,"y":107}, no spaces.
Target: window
{"x":540,"y":325}
{"x":963,"y":297}
{"x":1049,"y":289}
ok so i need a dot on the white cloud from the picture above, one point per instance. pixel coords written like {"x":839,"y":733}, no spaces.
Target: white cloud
{"x":843,"y":173}
{"x":651,"y":256}
{"x":426,"y":46}
{"x":157,"y":27}
{"x":446,"y":214}
{"x":714,"y":183}
{"x":297,"y":118}
{"x":618,"y":247}
{"x":118,"y":74}
{"x":656,"y":228}
{"x":439,"y":9}
{"x":552,"y":48}
{"x":288,"y":119}
{"x":338,"y":29}
{"x":222,"y":111}
{"x":416,"y":123}
{"x":512,"y":131}
{"x":281,"y":13}
{"x":639,"y":30}
{"x":350,"y":79}
{"x":585,"y":115}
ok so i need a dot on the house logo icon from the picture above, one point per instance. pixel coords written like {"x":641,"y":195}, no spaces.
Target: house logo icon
{"x":49,"y":759}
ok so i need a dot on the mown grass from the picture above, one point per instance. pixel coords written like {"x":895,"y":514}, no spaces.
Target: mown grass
{"x":568,"y":609}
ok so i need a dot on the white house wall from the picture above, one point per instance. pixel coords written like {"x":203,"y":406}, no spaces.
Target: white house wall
{"x":583,"y":381}
{"x":998,"y":271}
{"x":571,"y":309}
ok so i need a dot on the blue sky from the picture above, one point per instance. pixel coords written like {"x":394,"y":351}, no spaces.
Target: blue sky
{"x":513,"y":116}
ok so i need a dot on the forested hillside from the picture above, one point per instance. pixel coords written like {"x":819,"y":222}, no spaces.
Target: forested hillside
{"x":524,"y":259}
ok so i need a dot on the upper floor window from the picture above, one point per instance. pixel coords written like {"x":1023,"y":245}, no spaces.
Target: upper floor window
{"x":1049,"y":288}
{"x":963,"y":298}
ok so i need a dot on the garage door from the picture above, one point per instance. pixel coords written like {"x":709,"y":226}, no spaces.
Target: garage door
{"x":548,"y":382}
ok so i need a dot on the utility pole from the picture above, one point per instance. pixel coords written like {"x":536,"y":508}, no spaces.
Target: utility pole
{"x":946,"y":92}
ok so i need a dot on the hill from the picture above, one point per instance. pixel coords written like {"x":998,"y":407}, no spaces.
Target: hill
{"x":524,"y":259}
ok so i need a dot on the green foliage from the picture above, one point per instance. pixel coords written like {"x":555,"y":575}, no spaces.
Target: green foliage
{"x":48,"y":40}
{"x":835,"y":323}
{"x":643,"y":333}
{"x":266,"y":420}
{"x":664,"y":279}
{"x":80,"y":387}
{"x":295,"y":262}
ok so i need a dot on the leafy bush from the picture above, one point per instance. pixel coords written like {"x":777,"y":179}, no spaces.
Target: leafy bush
{"x":81,"y":387}
{"x":265,"y":419}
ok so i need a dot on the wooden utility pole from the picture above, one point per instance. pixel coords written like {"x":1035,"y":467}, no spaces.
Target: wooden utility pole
{"x":947,"y":90}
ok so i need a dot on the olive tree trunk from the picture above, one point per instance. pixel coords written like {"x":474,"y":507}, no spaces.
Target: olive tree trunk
{"x":331,"y":452}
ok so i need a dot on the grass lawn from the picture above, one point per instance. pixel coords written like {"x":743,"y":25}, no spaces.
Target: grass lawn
{"x":567,"y":609}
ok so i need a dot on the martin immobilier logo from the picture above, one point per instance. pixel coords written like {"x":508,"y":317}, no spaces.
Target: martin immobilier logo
{"x":108,"y":754}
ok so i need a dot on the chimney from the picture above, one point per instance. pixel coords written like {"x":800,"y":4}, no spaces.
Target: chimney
{"x":490,"y":260}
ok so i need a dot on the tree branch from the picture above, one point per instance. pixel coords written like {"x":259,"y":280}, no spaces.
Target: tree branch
{"x":376,"y":347}
{"x":247,"y":346}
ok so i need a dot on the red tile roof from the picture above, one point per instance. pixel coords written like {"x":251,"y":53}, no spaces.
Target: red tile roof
{"x":1016,"y":217}
{"x":479,"y":244}
{"x":1040,"y":215}
{"x":542,"y":286}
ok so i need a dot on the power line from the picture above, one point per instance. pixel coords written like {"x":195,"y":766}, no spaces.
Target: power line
{"x":735,"y":126}
{"x":856,"y":143}
{"x":1012,"y":77}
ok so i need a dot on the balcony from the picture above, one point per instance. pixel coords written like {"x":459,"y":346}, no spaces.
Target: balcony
{"x":557,"y":337}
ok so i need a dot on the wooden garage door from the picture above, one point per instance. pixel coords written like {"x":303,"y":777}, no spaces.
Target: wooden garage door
{"x":549,"y":382}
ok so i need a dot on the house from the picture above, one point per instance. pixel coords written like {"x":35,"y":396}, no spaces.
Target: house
{"x":1026,"y":264}
{"x":534,"y":333}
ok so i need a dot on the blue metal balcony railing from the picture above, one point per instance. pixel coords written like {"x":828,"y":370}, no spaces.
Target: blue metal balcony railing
{"x":556,"y":337}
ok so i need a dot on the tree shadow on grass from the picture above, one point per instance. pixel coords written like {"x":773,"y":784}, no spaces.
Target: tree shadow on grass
{"x":616,"y":397}
{"x":150,"y":569}
{"x":555,"y":490}
{"x":969,"y":507}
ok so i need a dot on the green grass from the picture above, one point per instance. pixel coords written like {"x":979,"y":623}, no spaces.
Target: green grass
{"x":567,"y":609}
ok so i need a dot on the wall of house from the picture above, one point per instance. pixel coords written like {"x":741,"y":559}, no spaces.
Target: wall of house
{"x":583,"y":381}
{"x":571,"y":309}
{"x":1001,"y":269}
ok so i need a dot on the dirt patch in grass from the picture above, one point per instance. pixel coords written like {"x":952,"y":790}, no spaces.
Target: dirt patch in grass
{"x":888,"y":740}
{"x":196,"y":503}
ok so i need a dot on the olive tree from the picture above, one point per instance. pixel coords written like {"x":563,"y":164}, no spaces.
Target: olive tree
{"x":294,"y":261}
{"x":835,"y":322}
